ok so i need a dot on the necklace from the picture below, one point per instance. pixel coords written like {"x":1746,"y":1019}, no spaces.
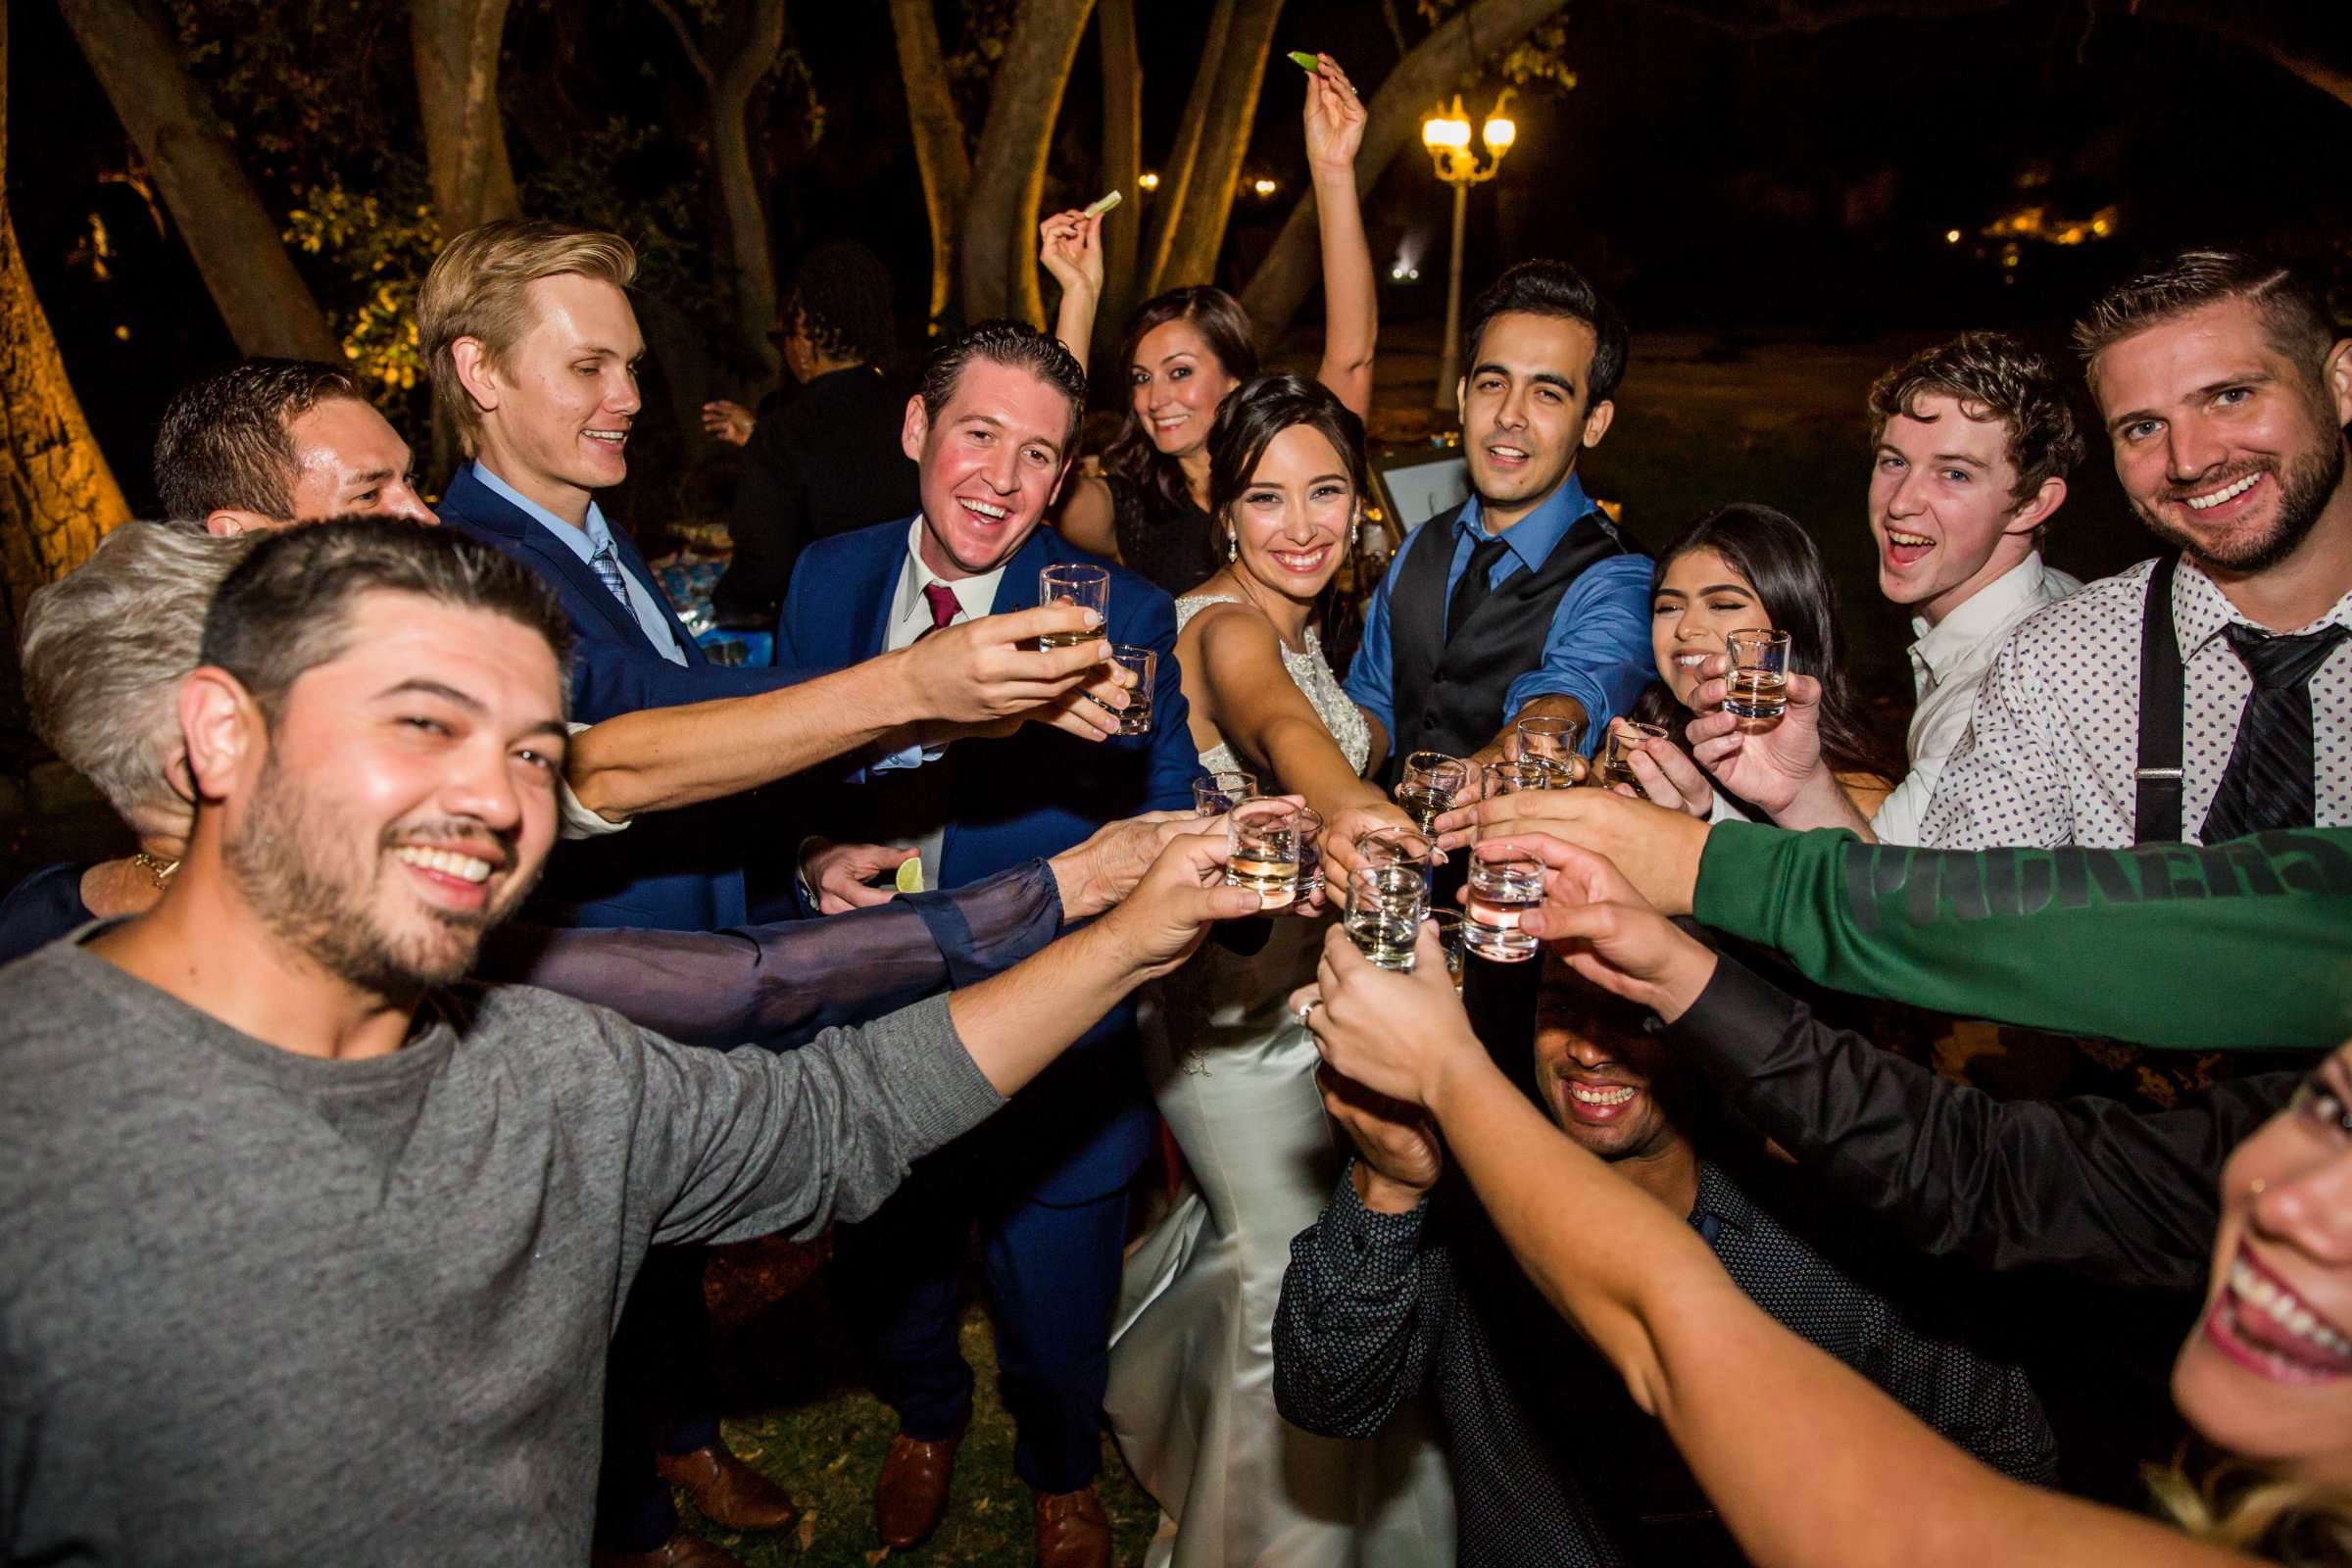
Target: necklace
{"x":159,"y":871}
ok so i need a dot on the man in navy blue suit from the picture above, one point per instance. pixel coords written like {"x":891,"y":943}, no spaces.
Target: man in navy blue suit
{"x":533,"y":349}
{"x":993,"y":429}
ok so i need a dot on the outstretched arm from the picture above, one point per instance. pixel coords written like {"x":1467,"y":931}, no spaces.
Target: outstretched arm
{"x":1800,"y":1454}
{"x":1335,"y":129}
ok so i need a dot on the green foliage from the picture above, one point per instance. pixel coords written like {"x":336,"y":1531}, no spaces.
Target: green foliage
{"x":376,"y":245}
{"x":1536,"y":63}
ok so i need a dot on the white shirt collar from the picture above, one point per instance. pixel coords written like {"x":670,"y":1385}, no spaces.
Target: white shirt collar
{"x":584,"y":541}
{"x":1944,"y":644}
{"x":976,"y":595}
{"x":2200,"y":610}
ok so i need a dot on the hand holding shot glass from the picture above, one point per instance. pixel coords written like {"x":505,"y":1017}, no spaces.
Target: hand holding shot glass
{"x":1626,"y":736}
{"x":1559,"y":742}
{"x":1386,"y":905}
{"x":1504,"y":884}
{"x":1757,"y":686}
{"x":1430,"y":781}
{"x":1144,"y":664}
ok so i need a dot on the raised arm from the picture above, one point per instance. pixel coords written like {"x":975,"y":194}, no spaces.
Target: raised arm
{"x":1071,"y":247}
{"x":1806,"y":1461}
{"x":1335,"y":129}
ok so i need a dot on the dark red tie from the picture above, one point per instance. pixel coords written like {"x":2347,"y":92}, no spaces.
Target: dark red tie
{"x":944,"y":607}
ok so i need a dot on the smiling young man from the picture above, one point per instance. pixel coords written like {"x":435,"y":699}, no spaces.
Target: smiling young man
{"x":314,"y":1252}
{"x":992,"y":428}
{"x":1395,"y":1290}
{"x":2207,"y":694}
{"x":1525,"y":600}
{"x":1972,"y":442}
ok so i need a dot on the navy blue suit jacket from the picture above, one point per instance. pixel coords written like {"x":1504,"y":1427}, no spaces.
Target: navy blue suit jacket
{"x":673,"y":870}
{"x":1086,"y":1124}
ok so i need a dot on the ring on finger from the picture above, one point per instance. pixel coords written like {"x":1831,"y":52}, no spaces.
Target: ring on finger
{"x":1306,"y":1010}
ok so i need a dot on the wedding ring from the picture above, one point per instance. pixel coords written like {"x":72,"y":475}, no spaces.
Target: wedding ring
{"x":1306,"y":1010}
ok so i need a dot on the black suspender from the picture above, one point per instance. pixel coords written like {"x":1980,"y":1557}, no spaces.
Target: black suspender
{"x":2156,"y":812}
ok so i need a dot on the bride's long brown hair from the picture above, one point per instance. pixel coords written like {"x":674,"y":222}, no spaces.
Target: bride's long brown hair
{"x":1252,"y":415}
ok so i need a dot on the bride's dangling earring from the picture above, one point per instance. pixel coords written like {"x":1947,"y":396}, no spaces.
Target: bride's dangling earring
{"x":1355,"y":526}
{"x":1233,"y":544}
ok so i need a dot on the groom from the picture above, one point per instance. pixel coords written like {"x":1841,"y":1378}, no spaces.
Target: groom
{"x":992,"y":429}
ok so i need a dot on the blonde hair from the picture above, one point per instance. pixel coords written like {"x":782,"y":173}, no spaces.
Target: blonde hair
{"x":479,"y":288}
{"x":2252,"y":1508}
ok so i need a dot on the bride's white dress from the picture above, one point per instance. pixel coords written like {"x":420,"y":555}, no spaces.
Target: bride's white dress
{"x":1192,"y":1356}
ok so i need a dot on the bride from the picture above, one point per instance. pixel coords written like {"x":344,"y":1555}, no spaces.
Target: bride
{"x":1191,"y":1396}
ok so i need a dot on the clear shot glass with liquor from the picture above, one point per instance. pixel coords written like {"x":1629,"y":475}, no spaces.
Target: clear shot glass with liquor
{"x":1758,"y":684}
{"x":1144,"y":664}
{"x":1215,"y":794}
{"x":1558,"y":741}
{"x":1397,"y":845}
{"x":1087,"y":587}
{"x":1501,"y":890}
{"x":1265,"y":838}
{"x":1626,"y":736}
{"x":1430,"y":781}
{"x":1386,"y":904}
{"x":1528,"y":774}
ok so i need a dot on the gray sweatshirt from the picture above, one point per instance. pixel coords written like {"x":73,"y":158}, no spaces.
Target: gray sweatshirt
{"x":256,"y":1307}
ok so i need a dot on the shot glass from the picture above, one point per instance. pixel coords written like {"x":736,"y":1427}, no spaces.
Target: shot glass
{"x":1558,"y":741}
{"x":1143,"y":664}
{"x":1451,"y":938}
{"x":1215,"y":794}
{"x":1528,"y":774}
{"x":1311,"y":854}
{"x":1758,"y":684}
{"x":1625,"y":738}
{"x":1087,"y":587}
{"x":1386,"y":904}
{"x":1265,"y":838}
{"x":1430,"y":781}
{"x":1502,"y":888}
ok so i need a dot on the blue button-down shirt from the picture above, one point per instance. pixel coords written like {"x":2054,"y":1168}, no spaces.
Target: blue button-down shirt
{"x":585,"y":542}
{"x":1596,"y":648}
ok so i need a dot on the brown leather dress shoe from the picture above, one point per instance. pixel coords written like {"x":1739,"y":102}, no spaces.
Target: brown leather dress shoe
{"x":727,"y":1491}
{"x":912,"y":1492}
{"x":1072,"y":1531}
{"x":681,"y":1550}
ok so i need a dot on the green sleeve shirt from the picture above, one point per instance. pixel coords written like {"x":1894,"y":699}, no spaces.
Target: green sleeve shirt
{"x":2241,"y":945}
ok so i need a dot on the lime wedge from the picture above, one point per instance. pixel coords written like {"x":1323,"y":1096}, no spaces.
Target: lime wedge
{"x":1306,"y":61}
{"x":910,"y":875}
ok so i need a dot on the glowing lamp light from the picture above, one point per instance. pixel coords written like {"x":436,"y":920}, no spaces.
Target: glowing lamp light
{"x":1499,"y":133}
{"x":1951,"y":236}
{"x":1148,"y":180}
{"x":1443,"y":132}
{"x":1264,"y":188}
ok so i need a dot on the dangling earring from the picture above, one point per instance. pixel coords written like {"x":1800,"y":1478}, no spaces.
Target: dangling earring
{"x":1355,"y":526}
{"x":1233,"y":546}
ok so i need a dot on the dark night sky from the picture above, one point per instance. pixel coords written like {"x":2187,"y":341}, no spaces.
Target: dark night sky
{"x":1804,"y":180}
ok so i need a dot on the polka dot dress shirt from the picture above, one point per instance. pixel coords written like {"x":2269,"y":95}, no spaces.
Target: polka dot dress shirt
{"x":2053,"y":745}
{"x":1553,"y":1462}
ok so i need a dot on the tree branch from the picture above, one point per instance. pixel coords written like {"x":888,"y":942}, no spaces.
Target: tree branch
{"x":694,"y":52}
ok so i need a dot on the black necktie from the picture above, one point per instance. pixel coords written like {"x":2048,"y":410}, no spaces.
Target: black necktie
{"x":2268,"y":783}
{"x":1471,"y":591}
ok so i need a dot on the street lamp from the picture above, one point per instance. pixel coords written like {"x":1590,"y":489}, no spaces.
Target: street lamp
{"x":1447,"y":135}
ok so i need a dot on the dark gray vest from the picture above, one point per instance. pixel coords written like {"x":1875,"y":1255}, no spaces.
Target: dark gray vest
{"x":1449,"y":693}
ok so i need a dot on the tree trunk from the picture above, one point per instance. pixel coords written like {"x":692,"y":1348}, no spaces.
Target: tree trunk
{"x":1176,"y":180}
{"x":754,"y":42}
{"x":939,"y":150}
{"x":455,"y":45}
{"x":1393,"y":123}
{"x":1208,"y":195}
{"x":57,"y":494}
{"x":1122,"y":168}
{"x":1008,"y":175}
{"x":135,"y":55}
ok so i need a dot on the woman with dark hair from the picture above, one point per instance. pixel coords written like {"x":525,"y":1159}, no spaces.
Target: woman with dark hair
{"x":1192,"y":1389}
{"x":1748,"y":566}
{"x":1185,"y":351}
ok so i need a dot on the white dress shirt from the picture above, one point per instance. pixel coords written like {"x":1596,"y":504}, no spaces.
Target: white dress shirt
{"x":1948,"y":662}
{"x":2053,"y":745}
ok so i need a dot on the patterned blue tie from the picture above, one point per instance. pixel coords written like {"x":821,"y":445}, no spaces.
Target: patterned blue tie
{"x":607,"y":567}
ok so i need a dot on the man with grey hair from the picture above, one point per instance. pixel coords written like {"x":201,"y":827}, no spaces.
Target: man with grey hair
{"x":2207,"y":694}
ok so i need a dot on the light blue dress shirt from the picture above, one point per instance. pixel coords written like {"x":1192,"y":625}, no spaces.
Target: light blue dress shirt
{"x":585,"y":543}
{"x":1596,"y":648}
